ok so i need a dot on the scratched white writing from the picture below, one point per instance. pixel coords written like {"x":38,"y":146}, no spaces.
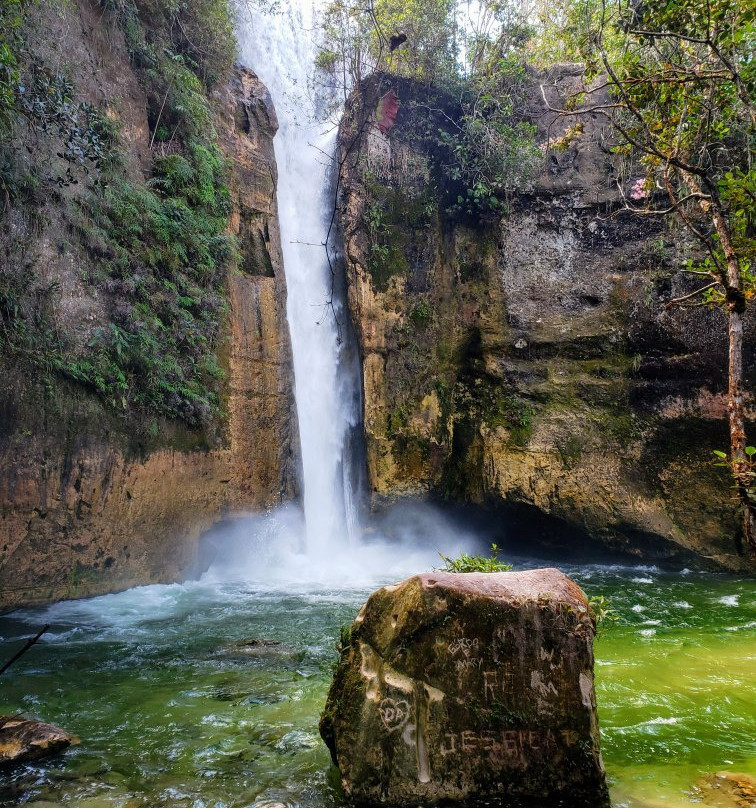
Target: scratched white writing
{"x":465,"y":664}
{"x":499,"y":682}
{"x":394,"y":714}
{"x":541,"y":686}
{"x":516,"y":744}
{"x":463,"y":644}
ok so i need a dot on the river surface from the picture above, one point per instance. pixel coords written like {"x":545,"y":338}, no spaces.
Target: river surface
{"x":170,"y":713}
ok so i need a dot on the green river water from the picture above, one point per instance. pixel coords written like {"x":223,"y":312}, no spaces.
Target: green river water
{"x":170,"y":714}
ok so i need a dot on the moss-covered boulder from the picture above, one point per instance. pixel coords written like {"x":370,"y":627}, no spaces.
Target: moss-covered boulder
{"x":465,"y":687}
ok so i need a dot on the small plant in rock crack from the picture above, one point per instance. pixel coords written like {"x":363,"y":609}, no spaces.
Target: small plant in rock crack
{"x":743,"y":470}
{"x":600,"y":609}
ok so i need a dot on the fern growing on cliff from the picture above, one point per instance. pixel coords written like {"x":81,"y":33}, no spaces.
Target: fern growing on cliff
{"x":157,"y":251}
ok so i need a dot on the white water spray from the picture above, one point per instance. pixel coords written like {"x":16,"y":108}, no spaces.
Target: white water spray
{"x":280,"y":48}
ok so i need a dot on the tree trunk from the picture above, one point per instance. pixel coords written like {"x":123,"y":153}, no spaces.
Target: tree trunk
{"x":737,"y":424}
{"x":736,"y":306}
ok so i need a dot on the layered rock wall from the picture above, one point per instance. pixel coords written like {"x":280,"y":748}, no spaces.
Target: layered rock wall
{"x":91,"y":502}
{"x":527,"y":362}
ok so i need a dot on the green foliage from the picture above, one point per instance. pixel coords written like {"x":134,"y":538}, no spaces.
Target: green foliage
{"x":396,"y":422}
{"x":345,"y":636}
{"x":11,"y":50}
{"x":476,"y":563}
{"x":392,"y":216}
{"x":199,"y":33}
{"x":744,"y":470}
{"x":681,"y":76}
{"x":84,"y":138}
{"x":356,"y":40}
{"x":159,"y":250}
{"x":602,"y":613}
{"x":432,"y":48}
{"x":180,"y":49}
{"x":27,"y":325}
{"x":491,"y":157}
{"x":11,"y":16}
{"x":420,"y":314}
{"x":491,"y":152}
{"x":485,"y":148}
{"x":167,"y":252}
{"x":80,"y":576}
{"x":163,"y":253}
{"x":85,"y":135}
{"x":561,"y":31}
{"x":498,"y":407}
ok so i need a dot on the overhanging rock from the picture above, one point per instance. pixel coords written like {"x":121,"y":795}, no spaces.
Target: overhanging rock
{"x":467,"y":687}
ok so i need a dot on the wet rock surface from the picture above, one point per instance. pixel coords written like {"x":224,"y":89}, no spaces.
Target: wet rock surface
{"x":88,"y":505}
{"x":466,"y":687}
{"x":22,"y":740}
{"x":260,"y":649}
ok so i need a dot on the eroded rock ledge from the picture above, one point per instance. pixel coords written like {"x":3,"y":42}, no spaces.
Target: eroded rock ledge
{"x":465,"y":687}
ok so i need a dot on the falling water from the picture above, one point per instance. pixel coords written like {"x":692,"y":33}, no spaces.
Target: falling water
{"x":279,"y":46}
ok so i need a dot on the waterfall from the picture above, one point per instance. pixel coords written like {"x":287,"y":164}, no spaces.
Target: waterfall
{"x":279,"y":46}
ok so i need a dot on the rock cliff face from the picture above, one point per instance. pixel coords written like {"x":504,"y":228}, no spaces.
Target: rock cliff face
{"x":91,"y":503}
{"x":527,"y":363}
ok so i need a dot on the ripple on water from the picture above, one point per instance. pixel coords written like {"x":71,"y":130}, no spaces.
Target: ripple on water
{"x":142,"y":678}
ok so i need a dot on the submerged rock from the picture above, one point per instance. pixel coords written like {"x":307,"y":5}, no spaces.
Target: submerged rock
{"x":21,"y":740}
{"x":727,"y":790}
{"x":256,"y":646}
{"x":262,"y":648}
{"x":465,"y":687}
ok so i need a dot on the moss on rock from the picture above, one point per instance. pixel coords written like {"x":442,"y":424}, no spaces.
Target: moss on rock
{"x":459,"y":688}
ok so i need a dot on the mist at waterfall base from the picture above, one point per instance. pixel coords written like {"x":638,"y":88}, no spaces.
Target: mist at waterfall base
{"x":271,"y":550}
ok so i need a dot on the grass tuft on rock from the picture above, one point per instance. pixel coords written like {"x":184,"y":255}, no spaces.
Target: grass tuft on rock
{"x":475,"y":563}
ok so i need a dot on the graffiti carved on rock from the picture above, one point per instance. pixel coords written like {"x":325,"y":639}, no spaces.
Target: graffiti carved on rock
{"x":462,"y":687}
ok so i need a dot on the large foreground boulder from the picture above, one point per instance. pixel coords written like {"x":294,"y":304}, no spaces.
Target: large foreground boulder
{"x":467,"y":687}
{"x":21,"y":739}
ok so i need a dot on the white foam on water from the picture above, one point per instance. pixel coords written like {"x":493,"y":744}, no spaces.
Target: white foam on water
{"x":745,"y":627}
{"x":729,"y":600}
